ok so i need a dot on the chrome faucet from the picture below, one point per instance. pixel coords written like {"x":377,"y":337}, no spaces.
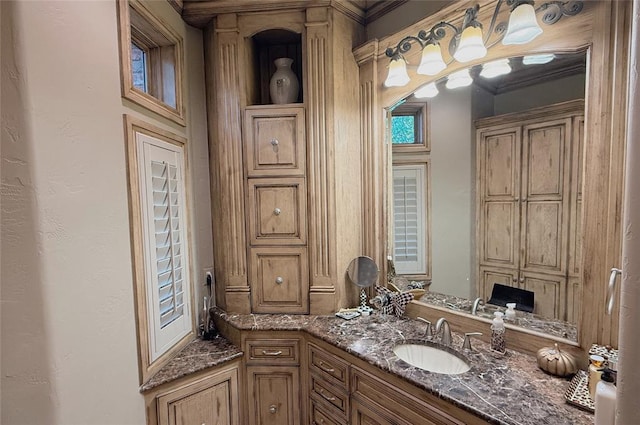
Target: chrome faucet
{"x":428,"y":332}
{"x":443,"y":326}
{"x":476,"y":303}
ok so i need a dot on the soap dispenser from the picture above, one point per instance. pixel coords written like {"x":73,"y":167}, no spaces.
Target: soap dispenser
{"x":497,"y":333}
{"x":605,"y":402}
{"x":510,"y":314}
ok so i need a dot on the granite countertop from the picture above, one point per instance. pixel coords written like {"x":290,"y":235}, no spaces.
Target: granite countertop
{"x":507,"y":389}
{"x":196,"y":356}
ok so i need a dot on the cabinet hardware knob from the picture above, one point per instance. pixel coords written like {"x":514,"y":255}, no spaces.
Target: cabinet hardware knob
{"x":318,"y":423}
{"x":326,"y":397}
{"x":273,"y":408}
{"x":279,"y":280}
{"x":322,"y":365}
{"x":517,"y":198}
{"x":515,"y":279}
{"x":277,"y":211}
{"x":274,"y":142}
{"x":524,"y":199}
{"x":522,"y":280}
{"x":271,"y":353}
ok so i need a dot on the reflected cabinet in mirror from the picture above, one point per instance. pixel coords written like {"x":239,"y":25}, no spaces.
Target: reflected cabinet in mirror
{"x":504,"y":175}
{"x":490,"y":208}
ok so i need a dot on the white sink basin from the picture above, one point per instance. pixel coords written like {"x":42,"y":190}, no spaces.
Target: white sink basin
{"x":432,"y":359}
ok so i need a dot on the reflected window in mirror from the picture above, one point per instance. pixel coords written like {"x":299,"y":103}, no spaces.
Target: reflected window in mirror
{"x":409,"y":127}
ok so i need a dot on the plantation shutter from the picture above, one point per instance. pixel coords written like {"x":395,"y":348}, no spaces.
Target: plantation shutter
{"x":409,"y":230}
{"x":167,"y":262}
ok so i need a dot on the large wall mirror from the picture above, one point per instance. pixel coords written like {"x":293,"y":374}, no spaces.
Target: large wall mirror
{"x":505,"y":197}
{"x":486,"y":188}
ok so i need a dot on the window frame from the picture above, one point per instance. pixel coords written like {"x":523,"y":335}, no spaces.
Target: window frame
{"x":419,"y":110}
{"x":148,"y":365}
{"x":144,"y":39}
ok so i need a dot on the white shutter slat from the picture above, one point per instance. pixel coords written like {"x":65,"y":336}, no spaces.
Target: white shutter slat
{"x":409,"y":219}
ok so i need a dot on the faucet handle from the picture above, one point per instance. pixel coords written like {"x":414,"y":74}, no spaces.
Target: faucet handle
{"x":428,"y":333}
{"x":466,"y":345}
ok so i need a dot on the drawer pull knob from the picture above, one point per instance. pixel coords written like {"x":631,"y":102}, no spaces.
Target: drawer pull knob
{"x":322,"y":365}
{"x":522,"y":279}
{"x":277,"y":211}
{"x":274,"y":142}
{"x":273,"y":408}
{"x":279,"y":280}
{"x":326,"y":397}
{"x":515,"y":279}
{"x":271,"y":353}
{"x":318,"y":423}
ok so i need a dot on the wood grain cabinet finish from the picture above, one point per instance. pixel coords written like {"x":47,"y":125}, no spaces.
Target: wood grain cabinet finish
{"x":277,"y":211}
{"x":274,"y":141}
{"x":279,"y":351}
{"x":280,"y":280}
{"x":211,"y":400}
{"x":320,"y":417}
{"x":274,"y":395}
{"x":529,"y":204}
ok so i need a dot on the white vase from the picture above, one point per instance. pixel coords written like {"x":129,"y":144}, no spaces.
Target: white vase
{"x":283,"y":86}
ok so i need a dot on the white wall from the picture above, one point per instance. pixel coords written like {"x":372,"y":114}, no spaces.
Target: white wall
{"x":547,"y":93}
{"x":68,"y":326}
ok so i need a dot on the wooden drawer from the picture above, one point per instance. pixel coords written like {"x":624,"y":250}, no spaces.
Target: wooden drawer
{"x":273,"y":351}
{"x":274,"y":141}
{"x":279,"y":280}
{"x":320,"y":417}
{"x":328,"y":366}
{"x":333,"y":398}
{"x":277,"y":211}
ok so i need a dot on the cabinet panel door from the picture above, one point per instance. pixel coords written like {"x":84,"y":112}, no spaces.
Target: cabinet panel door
{"x":280,"y":280}
{"x":549,"y":290}
{"x":277,"y":211}
{"x":274,"y":394}
{"x":367,"y":414}
{"x":320,"y":417}
{"x":499,"y":193}
{"x":211,"y":400}
{"x":489,"y":277}
{"x":274,"y":140}
{"x":545,"y":212}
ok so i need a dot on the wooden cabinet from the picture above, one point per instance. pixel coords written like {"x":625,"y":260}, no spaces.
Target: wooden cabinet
{"x":211,"y":399}
{"x":273,"y":378}
{"x":284,"y":176}
{"x":528,"y":204}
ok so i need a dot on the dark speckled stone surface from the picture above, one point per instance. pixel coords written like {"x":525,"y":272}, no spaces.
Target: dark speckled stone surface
{"x":506,"y":389}
{"x":196,"y":356}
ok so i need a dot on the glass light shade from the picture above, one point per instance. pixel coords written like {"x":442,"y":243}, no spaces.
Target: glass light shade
{"x":471,"y":46}
{"x":523,"y":25}
{"x":431,"y":62}
{"x":538,"y":59}
{"x":430,"y":90}
{"x":495,"y":68}
{"x":397,"y":76}
{"x":459,"y":79}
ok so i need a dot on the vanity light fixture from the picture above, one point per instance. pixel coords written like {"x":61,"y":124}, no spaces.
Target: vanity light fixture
{"x":431,"y":62}
{"x":397,"y":76}
{"x":538,"y":59}
{"x":523,"y":25}
{"x":428,"y":91}
{"x":468,"y":42}
{"x":459,"y":79}
{"x":495,"y":68}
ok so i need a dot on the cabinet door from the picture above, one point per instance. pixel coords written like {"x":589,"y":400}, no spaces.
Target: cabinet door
{"x":368,"y":414}
{"x":280,"y":280}
{"x":274,"y":393}
{"x":274,"y":141}
{"x":545,"y":182}
{"x":489,"y":277}
{"x":212,"y":400}
{"x":550,"y":293}
{"x":320,"y":417}
{"x":277,"y":211}
{"x":499,"y":187}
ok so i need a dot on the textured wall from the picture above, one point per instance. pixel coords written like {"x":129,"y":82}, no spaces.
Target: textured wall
{"x":68,"y":326}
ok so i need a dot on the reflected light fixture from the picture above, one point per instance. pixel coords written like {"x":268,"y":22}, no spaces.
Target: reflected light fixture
{"x":523,"y":25}
{"x":495,"y":68}
{"x":431,"y":62}
{"x":459,"y":79}
{"x":430,"y":90}
{"x":538,"y":59}
{"x":468,"y":42}
{"x":397,"y":76}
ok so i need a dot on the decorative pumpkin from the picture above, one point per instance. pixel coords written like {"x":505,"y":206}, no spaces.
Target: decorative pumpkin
{"x":556,"y":362}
